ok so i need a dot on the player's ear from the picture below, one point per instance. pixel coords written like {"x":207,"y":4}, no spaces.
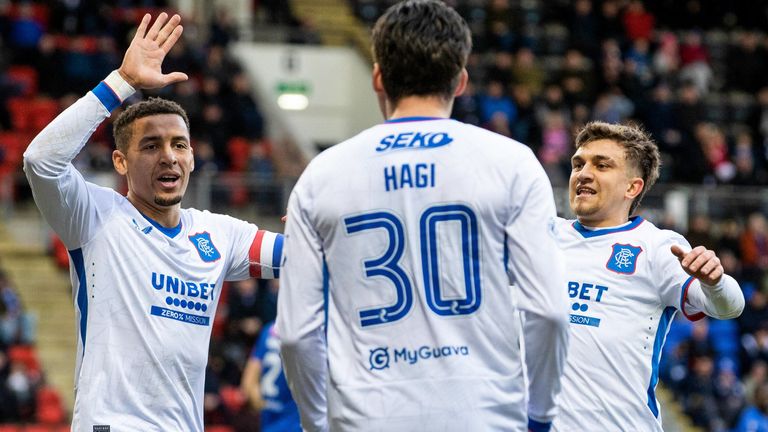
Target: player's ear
{"x":377,"y":81}
{"x":118,"y":160}
{"x":634,"y":187}
{"x":463,"y":79}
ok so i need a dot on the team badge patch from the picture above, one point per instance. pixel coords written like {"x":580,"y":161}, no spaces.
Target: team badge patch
{"x":623,"y":258}
{"x":205,"y":247}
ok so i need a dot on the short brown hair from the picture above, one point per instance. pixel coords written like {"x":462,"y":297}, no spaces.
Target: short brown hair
{"x":421,"y":46}
{"x":639,"y":149}
{"x":153,"y":106}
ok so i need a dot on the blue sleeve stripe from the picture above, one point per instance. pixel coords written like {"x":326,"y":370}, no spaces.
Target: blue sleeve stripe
{"x":107,"y":96}
{"x":535,"y":426}
{"x":277,"y":255}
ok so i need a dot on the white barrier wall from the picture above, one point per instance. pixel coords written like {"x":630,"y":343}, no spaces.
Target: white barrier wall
{"x":336,"y":81}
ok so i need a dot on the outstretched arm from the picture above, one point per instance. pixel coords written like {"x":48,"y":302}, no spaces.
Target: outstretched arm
{"x":68,"y":203}
{"x":717,"y":294}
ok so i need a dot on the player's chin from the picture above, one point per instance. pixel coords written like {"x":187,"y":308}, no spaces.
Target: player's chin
{"x":167,"y":200}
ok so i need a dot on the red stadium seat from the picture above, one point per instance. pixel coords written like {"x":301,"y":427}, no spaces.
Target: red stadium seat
{"x":19,"y":108}
{"x":239,"y":150}
{"x":13,"y":147}
{"x":38,"y":428}
{"x":219,"y":428}
{"x":25,"y":354}
{"x":10,"y":428}
{"x":49,"y":408}
{"x":232,"y":398}
{"x":26,"y":76}
{"x":44,"y":110}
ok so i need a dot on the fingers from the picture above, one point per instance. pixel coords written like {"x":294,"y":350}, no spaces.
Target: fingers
{"x":696,"y":258}
{"x":702,"y":264}
{"x":677,"y":251}
{"x":168,"y":30}
{"x":155,"y":29}
{"x":142,"y":29}
{"x":171,"y":39}
{"x":174,"y":77}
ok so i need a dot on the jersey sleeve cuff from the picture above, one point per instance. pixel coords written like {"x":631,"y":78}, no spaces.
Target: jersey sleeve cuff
{"x":113,"y":91}
{"x":537,"y":426}
{"x":684,"y":298}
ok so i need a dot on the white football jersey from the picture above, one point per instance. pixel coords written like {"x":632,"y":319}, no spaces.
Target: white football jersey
{"x":401,"y":244}
{"x":625,"y":287}
{"x":145,"y":295}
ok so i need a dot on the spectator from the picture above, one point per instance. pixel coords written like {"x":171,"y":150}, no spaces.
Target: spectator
{"x":666,"y":60}
{"x":494,"y":100}
{"x":638,"y":23}
{"x":754,"y":245}
{"x":755,"y":417}
{"x":584,"y":28}
{"x":526,"y":71}
{"x":747,"y":64}
{"x":694,"y":61}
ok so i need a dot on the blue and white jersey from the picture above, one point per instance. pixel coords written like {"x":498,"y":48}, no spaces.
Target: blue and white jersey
{"x":280,"y":413}
{"x":401,"y":244}
{"x":145,"y":295}
{"x":625,"y":287}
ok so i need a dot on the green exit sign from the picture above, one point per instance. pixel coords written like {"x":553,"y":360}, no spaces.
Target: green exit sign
{"x":293,"y":87}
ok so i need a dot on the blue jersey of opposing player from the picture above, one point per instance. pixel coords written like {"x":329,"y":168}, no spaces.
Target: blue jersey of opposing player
{"x":280,"y":413}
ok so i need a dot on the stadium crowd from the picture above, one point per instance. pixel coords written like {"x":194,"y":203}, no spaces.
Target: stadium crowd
{"x":694,"y":73}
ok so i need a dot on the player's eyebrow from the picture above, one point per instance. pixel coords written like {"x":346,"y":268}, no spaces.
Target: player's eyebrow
{"x":149,"y":138}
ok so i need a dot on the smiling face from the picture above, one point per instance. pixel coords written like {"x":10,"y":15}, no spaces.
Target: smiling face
{"x":602,"y":184}
{"x":157,"y":163}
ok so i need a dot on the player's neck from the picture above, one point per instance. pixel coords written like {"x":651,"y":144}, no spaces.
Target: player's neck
{"x":603,"y":223}
{"x":166,"y":216}
{"x":420,"y":106}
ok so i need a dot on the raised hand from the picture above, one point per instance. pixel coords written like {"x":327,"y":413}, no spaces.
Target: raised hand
{"x":142,"y":62}
{"x":700,"y":263}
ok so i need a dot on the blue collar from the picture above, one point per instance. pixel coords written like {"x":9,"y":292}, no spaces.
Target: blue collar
{"x":170,"y":232}
{"x":588,"y":233}
{"x":413,"y":119}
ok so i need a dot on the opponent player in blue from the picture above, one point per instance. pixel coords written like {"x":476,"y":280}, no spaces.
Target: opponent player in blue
{"x":626,"y":280}
{"x":264,"y":385}
{"x":146,"y":274}
{"x":396,"y":311}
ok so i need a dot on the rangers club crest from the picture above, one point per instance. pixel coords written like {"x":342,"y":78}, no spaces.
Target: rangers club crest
{"x":205,"y":247}
{"x":623,"y":258}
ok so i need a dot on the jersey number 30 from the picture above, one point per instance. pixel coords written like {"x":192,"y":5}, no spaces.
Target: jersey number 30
{"x":388,"y":265}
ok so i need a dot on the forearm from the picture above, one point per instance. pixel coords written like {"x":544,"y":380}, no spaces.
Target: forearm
{"x":306,"y":370}
{"x":546,"y":346}
{"x":61,"y":193}
{"x":722,"y":301}
{"x":52,"y":150}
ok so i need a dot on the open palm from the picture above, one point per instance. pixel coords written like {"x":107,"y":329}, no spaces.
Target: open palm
{"x":142,"y":63}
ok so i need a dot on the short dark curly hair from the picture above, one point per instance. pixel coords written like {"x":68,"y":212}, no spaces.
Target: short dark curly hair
{"x":639,"y":149}
{"x":422,"y":47}
{"x":153,"y":106}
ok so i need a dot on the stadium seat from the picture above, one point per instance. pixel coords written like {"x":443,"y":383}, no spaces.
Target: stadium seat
{"x":25,"y":354}
{"x":219,"y":428}
{"x":10,"y":428}
{"x":26,"y":77}
{"x":232,"y":398}
{"x":13,"y":148}
{"x":238,"y":149}
{"x":49,"y":407}
{"x":19,"y":110}
{"x":43,"y":111}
